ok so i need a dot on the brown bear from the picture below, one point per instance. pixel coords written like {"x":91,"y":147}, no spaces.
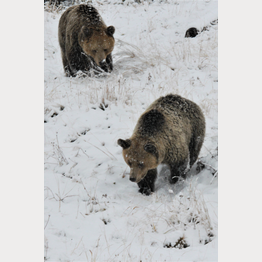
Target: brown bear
{"x":171,"y":131}
{"x":85,"y":40}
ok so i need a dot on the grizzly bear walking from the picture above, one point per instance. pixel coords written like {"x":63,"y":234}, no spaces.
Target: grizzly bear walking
{"x":85,"y":40}
{"x":171,"y":131}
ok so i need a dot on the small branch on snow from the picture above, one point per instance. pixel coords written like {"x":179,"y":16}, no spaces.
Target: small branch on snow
{"x":85,"y":189}
{"x":102,"y":151}
{"x":47,"y":221}
{"x":62,"y":199}
{"x":215,"y":175}
{"x":75,"y":163}
{"x":203,"y":165}
{"x":63,"y":174}
{"x":58,"y":153}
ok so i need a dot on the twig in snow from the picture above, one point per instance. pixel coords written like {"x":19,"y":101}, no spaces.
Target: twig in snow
{"x":215,"y":175}
{"x":213,"y":156}
{"x":75,"y":163}
{"x":59,"y":153}
{"x":63,"y":174}
{"x":201,"y":165}
{"x":85,"y":188}
{"x":58,"y":195}
{"x":77,"y":246}
{"x":101,"y":150}
{"x":47,"y":221}
{"x":62,"y":199}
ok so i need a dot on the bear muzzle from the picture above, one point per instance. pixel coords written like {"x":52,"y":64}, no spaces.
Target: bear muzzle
{"x":99,"y":60}
{"x":133,"y":179}
{"x":132,"y":176}
{"x":136,"y":176}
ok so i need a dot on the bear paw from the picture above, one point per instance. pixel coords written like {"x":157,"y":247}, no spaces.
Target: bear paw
{"x":145,"y":191}
{"x":106,"y":67}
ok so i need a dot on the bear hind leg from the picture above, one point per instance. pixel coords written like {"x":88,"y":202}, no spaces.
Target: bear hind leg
{"x":147,"y":185}
{"x":195,"y":147}
{"x":66,"y":65}
{"x":178,"y":170}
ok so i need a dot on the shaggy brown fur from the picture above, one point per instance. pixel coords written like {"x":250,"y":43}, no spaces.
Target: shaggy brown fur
{"x":85,"y":40}
{"x":171,"y":131}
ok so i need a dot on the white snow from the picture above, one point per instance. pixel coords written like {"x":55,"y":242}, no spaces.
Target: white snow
{"x":92,"y":211}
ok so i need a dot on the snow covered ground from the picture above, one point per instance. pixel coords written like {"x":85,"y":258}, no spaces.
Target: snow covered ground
{"x":92,"y":211}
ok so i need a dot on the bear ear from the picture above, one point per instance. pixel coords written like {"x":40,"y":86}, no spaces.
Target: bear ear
{"x":124,"y":143}
{"x":110,"y":30}
{"x":150,"y":148}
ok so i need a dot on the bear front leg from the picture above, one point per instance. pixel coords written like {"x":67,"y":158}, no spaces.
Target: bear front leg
{"x":147,"y":185}
{"x":109,"y":61}
{"x":104,"y":66}
{"x":107,"y":66}
{"x":78,"y":62}
{"x":178,"y":170}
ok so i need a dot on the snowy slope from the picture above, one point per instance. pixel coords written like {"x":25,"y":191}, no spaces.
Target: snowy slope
{"x":92,"y":211}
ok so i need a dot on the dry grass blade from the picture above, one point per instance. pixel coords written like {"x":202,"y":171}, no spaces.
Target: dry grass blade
{"x":102,"y":151}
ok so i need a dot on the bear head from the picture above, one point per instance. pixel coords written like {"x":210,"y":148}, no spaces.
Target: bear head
{"x":140,"y":155}
{"x":97,"y":43}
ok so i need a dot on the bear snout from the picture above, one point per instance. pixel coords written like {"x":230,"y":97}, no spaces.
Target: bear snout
{"x":133,"y":179}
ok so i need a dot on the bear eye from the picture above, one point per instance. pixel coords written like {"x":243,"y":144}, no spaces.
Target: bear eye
{"x":140,"y":165}
{"x":105,"y":50}
{"x":129,"y":163}
{"x":94,"y":51}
